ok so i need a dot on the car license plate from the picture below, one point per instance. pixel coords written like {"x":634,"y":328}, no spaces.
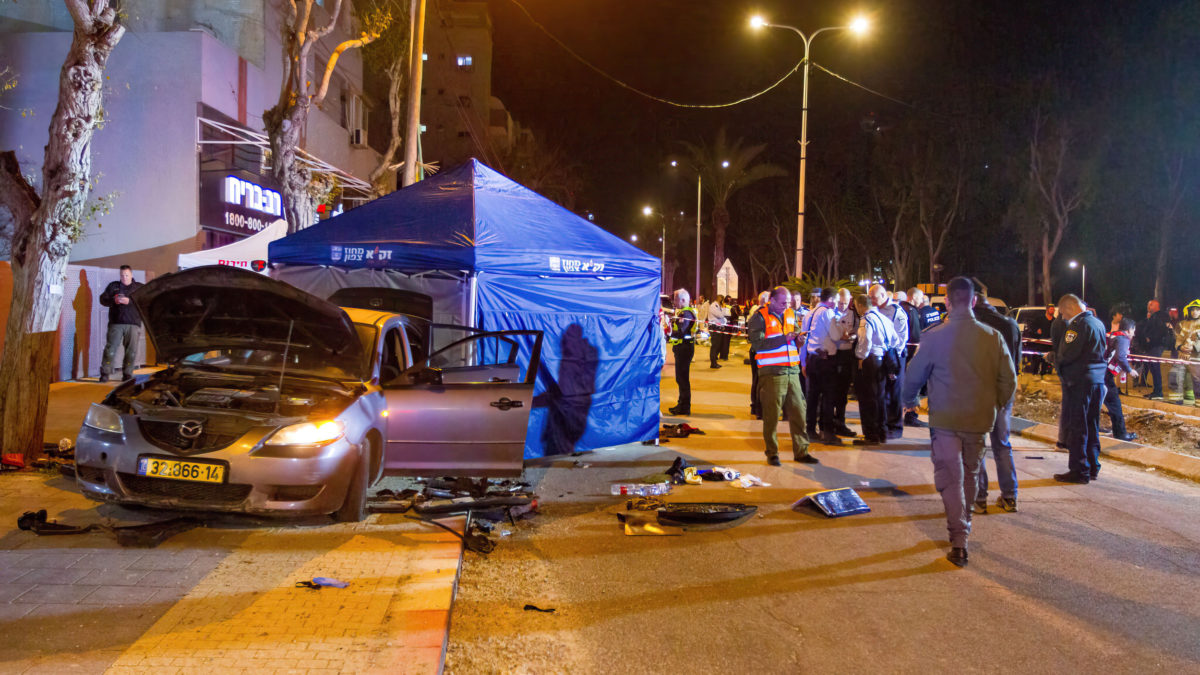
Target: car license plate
{"x":158,"y":467}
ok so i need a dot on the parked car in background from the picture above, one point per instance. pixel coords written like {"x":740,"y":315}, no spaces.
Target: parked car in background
{"x":277,"y":402}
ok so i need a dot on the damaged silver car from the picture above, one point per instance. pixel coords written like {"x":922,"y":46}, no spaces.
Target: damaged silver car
{"x":275,"y":401}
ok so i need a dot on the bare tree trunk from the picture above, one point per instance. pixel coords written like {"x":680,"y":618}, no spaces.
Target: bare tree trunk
{"x":387,"y":163}
{"x":1029,"y":274}
{"x":1047,"y":255}
{"x":720,"y":221}
{"x":283,"y":131}
{"x":1176,"y":190}
{"x":46,"y":226}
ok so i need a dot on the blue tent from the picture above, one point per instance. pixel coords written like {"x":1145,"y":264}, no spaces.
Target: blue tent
{"x":527,"y":263}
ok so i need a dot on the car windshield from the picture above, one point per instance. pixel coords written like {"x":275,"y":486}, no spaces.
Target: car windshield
{"x":272,"y":360}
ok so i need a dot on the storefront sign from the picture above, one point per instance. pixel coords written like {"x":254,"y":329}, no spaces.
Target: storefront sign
{"x":237,"y":204}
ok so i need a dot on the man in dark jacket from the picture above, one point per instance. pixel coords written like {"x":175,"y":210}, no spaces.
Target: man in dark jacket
{"x":1079,"y":358}
{"x":124,"y":324}
{"x":1154,"y":335}
{"x":914,"y":340}
{"x":1001,"y":447}
{"x":1038,"y":328}
{"x":1118,"y":364}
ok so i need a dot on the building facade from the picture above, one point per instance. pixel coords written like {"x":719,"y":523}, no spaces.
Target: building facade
{"x":181,"y":153}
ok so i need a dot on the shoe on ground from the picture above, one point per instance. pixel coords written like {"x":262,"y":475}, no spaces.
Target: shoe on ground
{"x":1129,"y":436}
{"x":844,"y":431}
{"x":892,"y":435}
{"x":714,"y":365}
{"x":1069,"y":477}
{"x":914,"y":422}
{"x":807,"y":459}
{"x":1007,"y":504}
{"x":979,"y":507}
{"x":1106,"y":431}
{"x":868,"y":441}
{"x":774,"y":461}
{"x":680,"y":411}
{"x":829,"y":438}
{"x":957,"y":556}
{"x":1155,"y":397}
{"x":103,"y":378}
{"x":1094,"y":476}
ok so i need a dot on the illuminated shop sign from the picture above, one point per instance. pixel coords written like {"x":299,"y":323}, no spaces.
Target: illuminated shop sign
{"x":254,"y":197}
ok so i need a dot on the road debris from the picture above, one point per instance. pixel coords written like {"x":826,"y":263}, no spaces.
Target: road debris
{"x":834,"y":503}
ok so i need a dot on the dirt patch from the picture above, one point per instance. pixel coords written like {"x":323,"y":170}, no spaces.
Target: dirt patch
{"x":1159,"y":429}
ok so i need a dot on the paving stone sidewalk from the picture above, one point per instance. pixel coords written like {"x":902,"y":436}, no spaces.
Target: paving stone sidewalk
{"x":218,"y":599}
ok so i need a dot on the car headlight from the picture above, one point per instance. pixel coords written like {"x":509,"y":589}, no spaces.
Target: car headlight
{"x":104,"y":418}
{"x":308,"y":433}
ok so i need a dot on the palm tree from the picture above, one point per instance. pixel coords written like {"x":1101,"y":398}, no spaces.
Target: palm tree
{"x":725,"y":167}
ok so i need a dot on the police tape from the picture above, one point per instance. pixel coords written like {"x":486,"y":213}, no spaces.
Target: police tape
{"x":1143,"y":358}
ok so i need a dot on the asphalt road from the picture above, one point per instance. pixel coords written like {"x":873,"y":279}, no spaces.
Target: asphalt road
{"x":1098,"y":578}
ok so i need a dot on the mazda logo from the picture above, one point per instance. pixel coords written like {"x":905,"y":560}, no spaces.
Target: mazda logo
{"x":191,"y":429}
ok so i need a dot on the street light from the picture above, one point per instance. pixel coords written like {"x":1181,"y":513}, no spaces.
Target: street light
{"x":858,"y":26}
{"x":1082,"y":278}
{"x":675,"y":164}
{"x":649,"y":211}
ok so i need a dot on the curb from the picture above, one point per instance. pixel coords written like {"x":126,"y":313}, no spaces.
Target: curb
{"x":1175,"y":463}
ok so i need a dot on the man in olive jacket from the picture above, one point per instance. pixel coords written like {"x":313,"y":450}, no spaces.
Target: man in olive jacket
{"x":970,"y":376}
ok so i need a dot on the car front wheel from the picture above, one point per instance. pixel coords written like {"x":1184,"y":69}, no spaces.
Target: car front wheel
{"x":354,"y":508}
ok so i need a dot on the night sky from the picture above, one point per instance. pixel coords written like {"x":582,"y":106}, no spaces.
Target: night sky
{"x":703,"y":51}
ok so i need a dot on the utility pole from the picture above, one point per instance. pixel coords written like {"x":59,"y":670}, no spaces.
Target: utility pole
{"x":412,"y":138}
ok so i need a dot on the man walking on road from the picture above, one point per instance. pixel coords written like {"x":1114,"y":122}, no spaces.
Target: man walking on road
{"x":776,"y":341}
{"x":683,"y":345}
{"x":124,"y":324}
{"x":1006,"y":471}
{"x":1079,"y":358}
{"x":970,"y":375}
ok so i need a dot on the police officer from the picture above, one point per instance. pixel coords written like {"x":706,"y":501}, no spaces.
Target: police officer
{"x":845,"y":332}
{"x":893,"y":359}
{"x":776,"y":340}
{"x":1079,"y":358}
{"x":875,"y":336}
{"x":755,"y":404}
{"x":683,"y":344}
{"x":908,"y":304}
{"x":820,"y":370}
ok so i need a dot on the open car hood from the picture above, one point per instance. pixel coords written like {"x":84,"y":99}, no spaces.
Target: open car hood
{"x":221,"y":307}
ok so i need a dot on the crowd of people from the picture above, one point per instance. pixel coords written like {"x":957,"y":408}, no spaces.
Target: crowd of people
{"x":889,"y":350}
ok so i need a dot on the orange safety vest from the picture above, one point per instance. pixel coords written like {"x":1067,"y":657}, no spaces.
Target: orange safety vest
{"x":787,"y":354}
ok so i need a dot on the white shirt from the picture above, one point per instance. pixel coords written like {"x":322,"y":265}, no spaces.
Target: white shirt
{"x":876,"y":334}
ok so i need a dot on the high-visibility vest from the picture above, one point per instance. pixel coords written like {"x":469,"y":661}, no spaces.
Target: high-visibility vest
{"x":787,"y":354}
{"x":678,"y":336}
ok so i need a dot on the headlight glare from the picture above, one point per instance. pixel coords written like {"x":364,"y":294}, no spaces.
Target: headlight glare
{"x":104,"y":418}
{"x":308,"y":433}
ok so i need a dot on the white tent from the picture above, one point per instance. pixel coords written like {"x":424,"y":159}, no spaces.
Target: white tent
{"x":242,"y":253}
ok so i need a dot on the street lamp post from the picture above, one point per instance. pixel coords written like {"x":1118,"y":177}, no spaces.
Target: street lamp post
{"x":648,"y":211}
{"x":1082,"y":278}
{"x":699,"y":182}
{"x":858,"y":26}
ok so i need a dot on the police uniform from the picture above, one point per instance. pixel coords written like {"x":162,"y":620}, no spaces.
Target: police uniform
{"x":683,"y":344}
{"x":1079,"y":357}
{"x":894,"y":383}
{"x":778,"y":362}
{"x":820,"y":353}
{"x":845,"y":366}
{"x":876,"y":335}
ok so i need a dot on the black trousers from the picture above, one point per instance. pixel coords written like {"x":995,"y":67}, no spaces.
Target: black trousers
{"x":1112,"y":403}
{"x":844,"y":366}
{"x":868,"y":386}
{"x":893,"y":391}
{"x":821,"y":375}
{"x":684,"y":351}
{"x":755,"y":404}
{"x":1081,"y":426}
{"x":725,"y":338}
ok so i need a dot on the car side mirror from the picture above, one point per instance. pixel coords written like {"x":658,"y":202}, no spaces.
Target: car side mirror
{"x":428,"y":376}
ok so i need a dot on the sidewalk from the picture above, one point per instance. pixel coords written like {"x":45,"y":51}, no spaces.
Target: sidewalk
{"x":214,"y":599}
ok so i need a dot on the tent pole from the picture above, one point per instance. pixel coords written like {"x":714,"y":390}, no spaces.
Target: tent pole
{"x":472,"y":300}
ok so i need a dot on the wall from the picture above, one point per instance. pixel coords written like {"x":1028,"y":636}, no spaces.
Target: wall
{"x":145,"y":151}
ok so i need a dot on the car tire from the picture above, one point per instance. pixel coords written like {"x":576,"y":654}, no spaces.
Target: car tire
{"x":354,"y":508}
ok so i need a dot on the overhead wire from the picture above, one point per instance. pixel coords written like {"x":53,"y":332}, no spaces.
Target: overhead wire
{"x":678,"y":104}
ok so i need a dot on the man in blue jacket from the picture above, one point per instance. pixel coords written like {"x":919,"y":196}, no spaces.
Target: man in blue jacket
{"x":1079,"y":358}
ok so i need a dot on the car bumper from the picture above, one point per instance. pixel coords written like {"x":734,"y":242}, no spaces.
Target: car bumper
{"x":256,"y":481}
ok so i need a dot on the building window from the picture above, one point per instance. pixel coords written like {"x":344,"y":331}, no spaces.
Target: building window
{"x":464,"y":62}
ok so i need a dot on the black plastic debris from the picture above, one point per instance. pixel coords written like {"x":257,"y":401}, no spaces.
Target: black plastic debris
{"x":703,"y":513}
{"x":535,"y":608}
{"x":147,"y":535}
{"x":475,"y":540}
{"x":681,"y":430}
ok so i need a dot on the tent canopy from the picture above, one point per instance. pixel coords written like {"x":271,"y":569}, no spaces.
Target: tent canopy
{"x":468,"y":218}
{"x":242,"y":253}
{"x":532,"y":265}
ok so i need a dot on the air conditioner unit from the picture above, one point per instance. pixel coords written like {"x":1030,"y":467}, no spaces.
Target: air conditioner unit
{"x":358,"y":138}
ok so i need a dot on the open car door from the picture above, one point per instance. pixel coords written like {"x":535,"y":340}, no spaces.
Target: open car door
{"x":464,"y":410}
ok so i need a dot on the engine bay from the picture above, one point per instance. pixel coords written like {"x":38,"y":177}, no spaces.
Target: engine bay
{"x":178,"y":389}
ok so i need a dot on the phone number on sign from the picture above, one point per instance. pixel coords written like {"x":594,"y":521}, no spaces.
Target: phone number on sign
{"x":243,"y":222}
